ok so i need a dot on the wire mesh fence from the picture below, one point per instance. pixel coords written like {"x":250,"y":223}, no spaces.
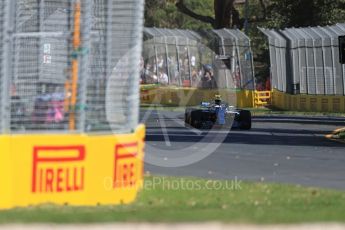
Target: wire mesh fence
{"x":40,"y":64}
{"x":2,"y":56}
{"x":182,"y":58}
{"x":70,"y":65}
{"x":277,"y":45}
{"x":306,"y":60}
{"x":113,"y":86}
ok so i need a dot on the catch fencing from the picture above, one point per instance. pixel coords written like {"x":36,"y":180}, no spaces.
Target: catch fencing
{"x":180,"y":58}
{"x":70,"y":65}
{"x":306,"y":60}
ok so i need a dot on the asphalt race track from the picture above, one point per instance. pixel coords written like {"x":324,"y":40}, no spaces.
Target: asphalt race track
{"x":285,"y":149}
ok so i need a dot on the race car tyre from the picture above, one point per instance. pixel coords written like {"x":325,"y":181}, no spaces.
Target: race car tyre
{"x":196,"y":118}
{"x":245,"y":120}
{"x":187,"y":116}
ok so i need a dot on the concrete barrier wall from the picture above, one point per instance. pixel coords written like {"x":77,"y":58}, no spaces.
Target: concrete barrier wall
{"x":73,"y":169}
{"x":242,"y":99}
{"x":192,"y":96}
{"x":308,"y":103}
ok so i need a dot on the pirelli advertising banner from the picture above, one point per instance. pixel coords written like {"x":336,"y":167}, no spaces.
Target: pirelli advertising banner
{"x":70,"y":169}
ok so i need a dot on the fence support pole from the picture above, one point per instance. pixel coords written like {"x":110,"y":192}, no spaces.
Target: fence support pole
{"x":75,"y":65}
{"x":84,"y":62}
{"x":7,"y":64}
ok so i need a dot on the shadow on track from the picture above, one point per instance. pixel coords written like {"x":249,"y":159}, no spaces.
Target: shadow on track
{"x":301,"y":120}
{"x":279,"y":137}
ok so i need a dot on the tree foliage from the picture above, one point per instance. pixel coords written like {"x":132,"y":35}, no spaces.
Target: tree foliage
{"x":224,"y":14}
{"x":164,"y":13}
{"x":303,"y":13}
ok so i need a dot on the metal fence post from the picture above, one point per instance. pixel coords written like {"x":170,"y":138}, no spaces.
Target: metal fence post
{"x":108,"y":42}
{"x":166,"y":61}
{"x":84,"y":62}
{"x":156,"y":59}
{"x":178,"y":58}
{"x":134,"y":89}
{"x":240,"y":65}
{"x":252,"y":64}
{"x":6,"y":65}
{"x":189,"y":64}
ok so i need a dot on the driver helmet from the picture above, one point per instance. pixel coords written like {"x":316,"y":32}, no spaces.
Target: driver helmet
{"x":218,"y":99}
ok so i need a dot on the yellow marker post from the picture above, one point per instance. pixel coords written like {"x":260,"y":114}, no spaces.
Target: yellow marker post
{"x":75,"y":65}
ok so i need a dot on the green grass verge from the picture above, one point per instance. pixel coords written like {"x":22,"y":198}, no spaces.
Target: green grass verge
{"x":165,"y":200}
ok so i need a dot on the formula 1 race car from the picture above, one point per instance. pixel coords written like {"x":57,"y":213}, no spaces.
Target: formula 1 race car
{"x":218,"y":115}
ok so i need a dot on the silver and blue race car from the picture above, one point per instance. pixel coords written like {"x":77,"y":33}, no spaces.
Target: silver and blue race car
{"x":218,"y":115}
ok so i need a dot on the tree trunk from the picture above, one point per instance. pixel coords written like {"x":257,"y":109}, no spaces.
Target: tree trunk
{"x":223,"y":10}
{"x":226,"y":15}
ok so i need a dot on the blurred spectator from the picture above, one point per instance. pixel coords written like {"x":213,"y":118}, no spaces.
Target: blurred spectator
{"x":18,"y":109}
{"x":160,"y":62}
{"x":144,"y":74}
{"x":193,"y":61}
{"x":206,"y":81}
{"x":49,"y":107}
{"x":195,"y":79}
{"x":153,"y":79}
{"x":163,"y":78}
{"x":213,"y":82}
